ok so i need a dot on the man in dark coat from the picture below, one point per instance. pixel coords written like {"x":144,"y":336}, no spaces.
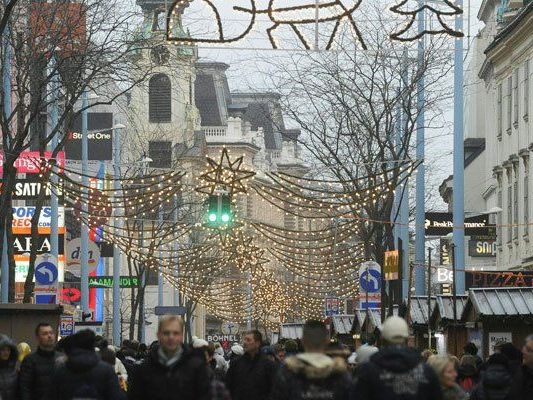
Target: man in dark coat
{"x":396,"y":371}
{"x":171,"y":371}
{"x":84,"y":375}
{"x":312,"y":375}
{"x":37,"y":369}
{"x":496,"y":382}
{"x":250,"y":376}
{"x":523,"y":379}
{"x":8,"y":368}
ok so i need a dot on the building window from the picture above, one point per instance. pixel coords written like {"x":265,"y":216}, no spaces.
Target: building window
{"x":509,"y":104}
{"x":509,"y":213}
{"x":515,"y":98}
{"x":526,"y":204}
{"x":500,"y":111}
{"x":526,"y":90}
{"x":160,"y":99}
{"x":499,"y":219}
{"x":515,"y":209}
{"x":160,"y":151}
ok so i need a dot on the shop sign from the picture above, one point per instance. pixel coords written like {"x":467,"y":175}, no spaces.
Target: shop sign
{"x":482,"y":248}
{"x":498,"y":338}
{"x":106,"y":282}
{"x":441,"y":224}
{"x":492,"y":279}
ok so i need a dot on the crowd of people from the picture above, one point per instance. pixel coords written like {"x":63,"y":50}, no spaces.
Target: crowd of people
{"x":84,"y":366}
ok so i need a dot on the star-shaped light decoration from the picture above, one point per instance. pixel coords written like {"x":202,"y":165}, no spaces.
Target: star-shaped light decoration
{"x":226,"y":175}
{"x":241,"y":251}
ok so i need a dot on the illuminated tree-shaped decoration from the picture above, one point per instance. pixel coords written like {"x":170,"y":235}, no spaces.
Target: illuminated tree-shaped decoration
{"x":448,"y":9}
{"x":225,"y":174}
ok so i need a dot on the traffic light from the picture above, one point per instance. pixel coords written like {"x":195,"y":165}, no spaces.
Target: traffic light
{"x":219,"y":213}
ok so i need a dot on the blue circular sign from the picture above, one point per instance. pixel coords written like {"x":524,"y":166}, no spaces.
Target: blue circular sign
{"x":370,"y":281}
{"x":46,"y":273}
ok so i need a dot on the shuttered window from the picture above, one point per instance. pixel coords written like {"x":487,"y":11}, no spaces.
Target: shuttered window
{"x":160,"y":99}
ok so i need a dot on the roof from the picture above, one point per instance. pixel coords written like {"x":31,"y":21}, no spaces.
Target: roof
{"x":473,"y":147}
{"x":524,"y":12}
{"x":342,"y":324}
{"x":291,"y":331}
{"x":419,"y":309}
{"x":445,"y":306}
{"x":374,"y":316}
{"x":494,"y":302}
{"x":17,"y":308}
{"x":206,"y":100}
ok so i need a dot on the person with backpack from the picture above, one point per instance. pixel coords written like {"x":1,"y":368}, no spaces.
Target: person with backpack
{"x":313,"y":375}
{"x":468,"y":373}
{"x":496,"y":382}
{"x":84,"y":375}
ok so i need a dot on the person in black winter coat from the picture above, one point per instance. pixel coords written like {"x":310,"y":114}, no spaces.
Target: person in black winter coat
{"x":496,"y":382}
{"x":8,"y":368}
{"x":171,"y":371}
{"x":523,"y":378}
{"x":37,"y":369}
{"x":396,"y":371}
{"x":312,"y":375}
{"x":250,"y":376}
{"x":84,"y":375}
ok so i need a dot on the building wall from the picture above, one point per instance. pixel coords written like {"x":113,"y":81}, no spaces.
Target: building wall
{"x":509,"y":138}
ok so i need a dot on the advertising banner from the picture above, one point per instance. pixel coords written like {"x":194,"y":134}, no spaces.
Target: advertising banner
{"x":332,"y":306}
{"x":100,"y":138}
{"x":391,"y":267}
{"x":30,"y":187}
{"x":22,"y":243}
{"x":445,"y":252}
{"x":441,"y":224}
{"x":29,"y":161}
{"x":22,"y":220}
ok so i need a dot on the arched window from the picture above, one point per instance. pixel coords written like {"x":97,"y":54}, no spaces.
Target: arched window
{"x":160,"y":99}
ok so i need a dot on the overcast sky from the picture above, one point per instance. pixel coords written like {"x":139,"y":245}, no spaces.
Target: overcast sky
{"x":244,"y":75}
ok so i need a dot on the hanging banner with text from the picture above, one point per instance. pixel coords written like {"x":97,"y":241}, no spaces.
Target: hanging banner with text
{"x":482,"y":248}
{"x":441,"y":224}
{"x":99,"y":137}
{"x":23,"y":244}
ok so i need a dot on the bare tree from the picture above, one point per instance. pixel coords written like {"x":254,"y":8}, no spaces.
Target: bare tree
{"x":56,"y":51}
{"x":357,"y":109}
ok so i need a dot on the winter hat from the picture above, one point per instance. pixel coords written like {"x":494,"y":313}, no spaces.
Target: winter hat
{"x":199,"y":343}
{"x":395,"y":330}
{"x":365,"y":352}
{"x":82,"y":340}
{"x":24,"y":349}
{"x":237,"y":349}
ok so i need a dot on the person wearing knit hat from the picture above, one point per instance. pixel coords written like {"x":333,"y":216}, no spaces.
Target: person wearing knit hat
{"x":396,"y":371}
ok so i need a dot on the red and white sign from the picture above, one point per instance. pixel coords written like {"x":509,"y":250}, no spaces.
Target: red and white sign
{"x":29,"y":161}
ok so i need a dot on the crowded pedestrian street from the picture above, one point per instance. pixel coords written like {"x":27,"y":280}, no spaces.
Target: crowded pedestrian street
{"x":266,"y":200}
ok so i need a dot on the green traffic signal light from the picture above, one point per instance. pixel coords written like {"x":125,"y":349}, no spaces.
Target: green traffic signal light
{"x":219,"y":213}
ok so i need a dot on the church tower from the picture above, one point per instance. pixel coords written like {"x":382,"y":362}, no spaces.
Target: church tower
{"x":162,"y":114}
